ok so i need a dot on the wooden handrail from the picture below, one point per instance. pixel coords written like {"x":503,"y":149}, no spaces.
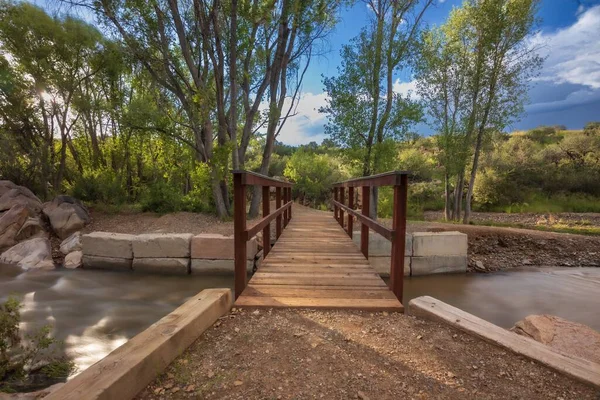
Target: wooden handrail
{"x":282,"y":216}
{"x":396,"y":235}
{"x":254,"y":178}
{"x":371,"y":223}
{"x":386,"y":179}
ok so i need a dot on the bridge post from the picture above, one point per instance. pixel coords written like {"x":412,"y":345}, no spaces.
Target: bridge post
{"x":398,"y":242}
{"x":278,"y":219}
{"x":290,"y":199}
{"x":351,"y":205}
{"x":335,"y":207}
{"x":364,"y":229}
{"x":341,"y":200}
{"x":239,"y":238}
{"x":266,"y":210}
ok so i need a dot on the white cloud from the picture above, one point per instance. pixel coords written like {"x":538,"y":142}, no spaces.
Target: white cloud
{"x":307,"y":125}
{"x":573,"y":52}
{"x":406,"y":89}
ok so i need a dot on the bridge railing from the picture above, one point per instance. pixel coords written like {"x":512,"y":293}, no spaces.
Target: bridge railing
{"x":396,"y":235}
{"x":281,"y":215}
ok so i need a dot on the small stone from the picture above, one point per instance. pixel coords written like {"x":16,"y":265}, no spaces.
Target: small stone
{"x":190,"y":388}
{"x":169,"y":385}
{"x":420,"y":337}
{"x":450,"y":375}
{"x":175,"y":389}
{"x":362,"y":396}
{"x":210,"y":374}
{"x":455,"y":336}
{"x":256,"y":312}
{"x":236,"y":329}
{"x":479,"y":266}
{"x":385,"y":313}
{"x":238,"y":383}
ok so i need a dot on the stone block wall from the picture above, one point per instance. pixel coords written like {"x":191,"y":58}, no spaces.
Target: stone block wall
{"x":426,"y":253}
{"x":163,"y":253}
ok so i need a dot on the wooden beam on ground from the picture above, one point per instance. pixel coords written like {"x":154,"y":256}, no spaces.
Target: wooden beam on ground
{"x":130,"y":368}
{"x":577,"y":368}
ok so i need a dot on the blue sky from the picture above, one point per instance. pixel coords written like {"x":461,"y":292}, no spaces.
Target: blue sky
{"x":567,"y":91}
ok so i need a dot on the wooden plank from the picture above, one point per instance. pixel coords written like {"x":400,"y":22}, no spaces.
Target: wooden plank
{"x":315,"y":269}
{"x":321,"y":303}
{"x":343,"y":293}
{"x":578,"y":368}
{"x":329,"y":275}
{"x":324,"y":287}
{"x":290,"y":280}
{"x":132,"y":366}
{"x":384,"y":179}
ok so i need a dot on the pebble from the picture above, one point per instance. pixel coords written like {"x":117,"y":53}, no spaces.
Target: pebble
{"x":238,"y":383}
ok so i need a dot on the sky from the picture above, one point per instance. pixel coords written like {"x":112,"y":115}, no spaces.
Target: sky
{"x":567,"y":91}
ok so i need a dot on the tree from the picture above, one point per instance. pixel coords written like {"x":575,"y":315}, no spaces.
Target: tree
{"x":363,"y":110}
{"x":474,"y":75}
{"x":441,"y":84}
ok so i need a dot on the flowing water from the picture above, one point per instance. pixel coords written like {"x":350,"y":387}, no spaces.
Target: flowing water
{"x":94,"y":312}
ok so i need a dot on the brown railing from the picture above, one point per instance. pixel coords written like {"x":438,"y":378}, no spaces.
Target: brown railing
{"x":282,"y":216}
{"x":396,"y":235}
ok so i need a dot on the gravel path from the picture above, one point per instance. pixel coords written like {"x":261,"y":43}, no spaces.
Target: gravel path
{"x":303,"y":354}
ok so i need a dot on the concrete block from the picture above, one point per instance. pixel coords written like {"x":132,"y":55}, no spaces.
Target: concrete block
{"x":380,"y":246}
{"x":382,"y":265}
{"x":162,"y":245}
{"x":170,"y":266}
{"x":438,"y":265}
{"x":439,"y":244}
{"x":107,"y":244}
{"x":209,"y":246}
{"x":112,"y":263}
{"x":216,"y":267}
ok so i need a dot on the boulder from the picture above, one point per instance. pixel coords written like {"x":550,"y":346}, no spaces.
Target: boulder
{"x":31,"y":228}
{"x":112,"y":263}
{"x":162,"y":245}
{"x":31,"y":254}
{"x":73,"y":260}
{"x":567,"y":337}
{"x":5,"y":186}
{"x":11,"y":223}
{"x":66,"y":215}
{"x":171,"y":266}
{"x":70,"y":244}
{"x":210,"y":246}
{"x":20,"y":195}
{"x":108,"y":244}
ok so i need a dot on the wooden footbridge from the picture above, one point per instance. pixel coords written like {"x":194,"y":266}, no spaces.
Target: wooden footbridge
{"x":314,"y":262}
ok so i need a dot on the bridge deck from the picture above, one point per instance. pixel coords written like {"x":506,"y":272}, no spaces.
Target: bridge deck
{"x":314,"y":264}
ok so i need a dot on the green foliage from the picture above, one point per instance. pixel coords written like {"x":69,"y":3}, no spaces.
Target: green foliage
{"x":313,"y":176}
{"x":18,"y":356}
{"x":199,"y":198}
{"x":161,"y":197}
{"x":102,"y":185}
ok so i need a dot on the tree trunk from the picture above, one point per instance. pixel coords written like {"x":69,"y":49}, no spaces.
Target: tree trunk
{"x":448,"y":197}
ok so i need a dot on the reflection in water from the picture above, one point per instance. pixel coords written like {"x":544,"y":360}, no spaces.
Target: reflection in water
{"x":504,"y":298}
{"x":94,"y":312}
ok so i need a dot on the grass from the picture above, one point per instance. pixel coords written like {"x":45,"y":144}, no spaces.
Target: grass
{"x":578,"y":229}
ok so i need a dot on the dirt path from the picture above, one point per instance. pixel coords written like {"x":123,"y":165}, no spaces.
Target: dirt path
{"x":292,"y":354}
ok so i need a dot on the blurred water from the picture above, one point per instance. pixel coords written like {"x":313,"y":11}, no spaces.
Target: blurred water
{"x":504,"y":298}
{"x":94,"y":312}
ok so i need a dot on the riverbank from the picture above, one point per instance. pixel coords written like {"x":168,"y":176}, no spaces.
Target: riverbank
{"x":490,"y":248}
{"x":305,"y":354}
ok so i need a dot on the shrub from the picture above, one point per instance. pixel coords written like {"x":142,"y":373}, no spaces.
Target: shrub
{"x":161,"y":197}
{"x":101,"y":185}
{"x":18,"y":357}
{"x":199,"y":199}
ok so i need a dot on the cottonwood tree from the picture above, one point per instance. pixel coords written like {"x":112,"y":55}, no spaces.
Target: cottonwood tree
{"x":442,"y":85}
{"x":492,"y":61}
{"x":217,"y":61}
{"x":362,"y":108}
